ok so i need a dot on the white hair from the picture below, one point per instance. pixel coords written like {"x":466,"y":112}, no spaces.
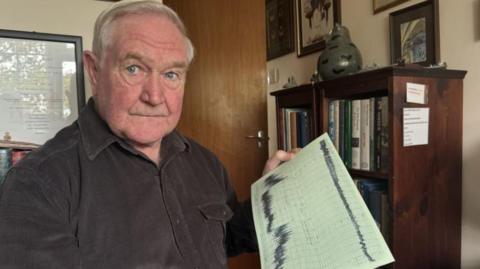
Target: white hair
{"x":105,"y":21}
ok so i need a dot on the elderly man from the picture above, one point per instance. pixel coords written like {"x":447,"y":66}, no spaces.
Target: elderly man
{"x":120,"y":187}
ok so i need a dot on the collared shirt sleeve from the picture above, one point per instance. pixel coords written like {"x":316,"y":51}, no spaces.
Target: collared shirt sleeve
{"x":241,"y":236}
{"x":34,"y":230}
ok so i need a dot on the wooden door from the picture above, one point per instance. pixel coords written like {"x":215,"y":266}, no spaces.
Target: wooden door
{"x":225,"y":96}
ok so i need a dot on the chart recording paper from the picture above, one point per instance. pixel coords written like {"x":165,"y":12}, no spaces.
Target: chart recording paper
{"x":308,"y":213}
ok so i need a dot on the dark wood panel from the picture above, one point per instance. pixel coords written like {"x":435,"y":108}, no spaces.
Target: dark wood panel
{"x":427,"y":179}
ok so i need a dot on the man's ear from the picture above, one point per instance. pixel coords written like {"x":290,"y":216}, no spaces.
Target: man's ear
{"x":91,"y":66}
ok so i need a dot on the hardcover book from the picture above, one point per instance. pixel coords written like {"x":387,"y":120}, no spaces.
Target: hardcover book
{"x":5,"y":162}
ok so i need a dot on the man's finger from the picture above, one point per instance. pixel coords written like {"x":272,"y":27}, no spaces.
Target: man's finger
{"x":279,"y":157}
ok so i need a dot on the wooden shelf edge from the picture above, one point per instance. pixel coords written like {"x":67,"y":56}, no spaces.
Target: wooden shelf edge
{"x":18,"y":145}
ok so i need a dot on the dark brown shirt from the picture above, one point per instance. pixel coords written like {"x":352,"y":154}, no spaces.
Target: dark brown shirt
{"x":86,"y":199}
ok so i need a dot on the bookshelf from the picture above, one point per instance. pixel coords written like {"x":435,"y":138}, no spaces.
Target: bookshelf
{"x":300,"y":97}
{"x":424,"y":181}
{"x":10,"y":153}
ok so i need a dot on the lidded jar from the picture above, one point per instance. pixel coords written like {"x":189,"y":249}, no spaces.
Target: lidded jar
{"x":340,"y":56}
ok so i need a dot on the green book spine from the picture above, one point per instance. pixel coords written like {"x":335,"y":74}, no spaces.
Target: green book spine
{"x":384,"y":148}
{"x":378,"y":132}
{"x":341,"y":139}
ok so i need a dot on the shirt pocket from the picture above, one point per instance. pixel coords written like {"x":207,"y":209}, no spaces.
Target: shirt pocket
{"x":216,"y":216}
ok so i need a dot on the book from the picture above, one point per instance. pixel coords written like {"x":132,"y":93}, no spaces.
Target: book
{"x":337,"y":124}
{"x":365,"y":134}
{"x":331,"y":120}
{"x":382,"y":157}
{"x":372,"y":133}
{"x":303,"y":128}
{"x":348,"y":133}
{"x":286,"y":128}
{"x":386,"y":217}
{"x":292,"y":128}
{"x":18,"y":154}
{"x":341,"y":129}
{"x":384,"y":136}
{"x":5,"y":162}
{"x":379,"y":106}
{"x":356,"y":127}
{"x":371,"y":190}
{"x":375,"y":205}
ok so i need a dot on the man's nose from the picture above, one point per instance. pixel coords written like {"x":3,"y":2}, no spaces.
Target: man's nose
{"x":153,"y":90}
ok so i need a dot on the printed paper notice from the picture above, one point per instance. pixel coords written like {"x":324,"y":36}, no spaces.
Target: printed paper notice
{"x":309,"y":214}
{"x":416,"y":93}
{"x":415,"y":126}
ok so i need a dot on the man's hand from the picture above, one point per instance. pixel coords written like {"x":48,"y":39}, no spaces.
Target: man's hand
{"x":279,"y":157}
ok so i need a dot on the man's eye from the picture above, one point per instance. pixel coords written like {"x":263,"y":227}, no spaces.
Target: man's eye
{"x":172,"y":75}
{"x":133,"y":69}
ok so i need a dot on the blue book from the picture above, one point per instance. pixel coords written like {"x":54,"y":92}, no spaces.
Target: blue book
{"x":5,"y":162}
{"x":375,"y":205}
{"x":371,"y":191}
{"x":331,"y":120}
{"x":303,"y":129}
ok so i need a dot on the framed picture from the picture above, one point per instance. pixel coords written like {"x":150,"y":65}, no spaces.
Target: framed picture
{"x":42,"y":86}
{"x":315,"y":19}
{"x":381,"y":5}
{"x":414,"y":35}
{"x":279,"y":23}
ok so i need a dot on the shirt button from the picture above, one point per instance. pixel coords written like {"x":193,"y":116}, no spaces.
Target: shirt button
{"x":178,"y":222}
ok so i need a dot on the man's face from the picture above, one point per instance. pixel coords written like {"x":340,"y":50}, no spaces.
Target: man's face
{"x":140,"y":81}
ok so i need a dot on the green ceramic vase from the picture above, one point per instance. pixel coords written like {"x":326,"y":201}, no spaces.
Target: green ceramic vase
{"x":340,"y":57}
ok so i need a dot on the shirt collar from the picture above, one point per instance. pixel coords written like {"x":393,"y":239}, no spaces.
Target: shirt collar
{"x":97,"y":136}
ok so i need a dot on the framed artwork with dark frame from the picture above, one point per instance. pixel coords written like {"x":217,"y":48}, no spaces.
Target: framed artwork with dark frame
{"x":414,"y":34}
{"x":42,"y":87}
{"x":381,"y":5}
{"x":279,"y":24}
{"x":315,"y":19}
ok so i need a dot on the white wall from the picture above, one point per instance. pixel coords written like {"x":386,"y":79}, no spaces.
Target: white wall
{"x":69,"y":17}
{"x":460,"y":49}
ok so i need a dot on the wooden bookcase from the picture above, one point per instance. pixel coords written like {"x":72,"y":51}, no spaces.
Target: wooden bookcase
{"x":425,"y":181}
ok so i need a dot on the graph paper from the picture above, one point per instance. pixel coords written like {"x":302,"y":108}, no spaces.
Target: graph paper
{"x":309,"y":214}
